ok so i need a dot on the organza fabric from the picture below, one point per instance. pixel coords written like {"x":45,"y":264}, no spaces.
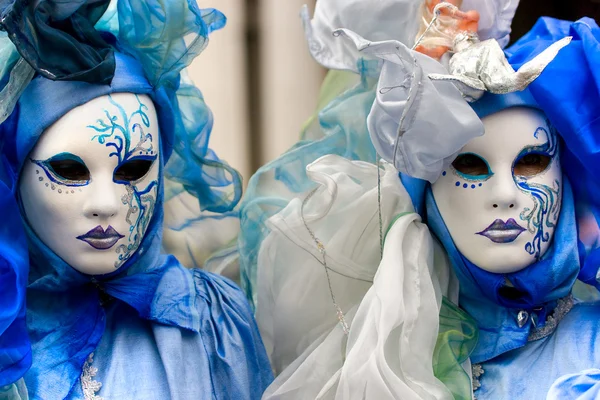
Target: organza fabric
{"x":165,"y":36}
{"x":391,"y":303}
{"x":457,"y":337}
{"x":495,"y":18}
{"x":15,"y":391}
{"x":200,"y":189}
{"x":339,"y":127}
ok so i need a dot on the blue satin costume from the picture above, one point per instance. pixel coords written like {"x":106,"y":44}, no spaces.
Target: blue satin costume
{"x":563,"y":363}
{"x":156,"y":329}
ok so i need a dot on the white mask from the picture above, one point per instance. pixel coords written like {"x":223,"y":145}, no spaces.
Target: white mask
{"x":501,"y":197}
{"x":89,"y":186}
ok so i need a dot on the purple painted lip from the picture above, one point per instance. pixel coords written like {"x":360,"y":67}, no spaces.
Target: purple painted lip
{"x":502,"y":232}
{"x":101,"y":239}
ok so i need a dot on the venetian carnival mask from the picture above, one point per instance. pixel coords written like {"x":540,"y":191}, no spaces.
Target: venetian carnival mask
{"x":501,"y":197}
{"x":89,"y":186}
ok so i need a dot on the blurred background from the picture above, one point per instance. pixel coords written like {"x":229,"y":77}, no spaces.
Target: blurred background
{"x":258,"y":78}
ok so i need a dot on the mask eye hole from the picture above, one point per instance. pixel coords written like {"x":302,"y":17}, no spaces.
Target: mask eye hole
{"x":471,"y":165}
{"x":132,"y":170}
{"x":69,"y":170}
{"x":531,"y":164}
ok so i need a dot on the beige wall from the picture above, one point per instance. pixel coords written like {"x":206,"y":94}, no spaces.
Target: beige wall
{"x":258,"y":78}
{"x":290,"y":78}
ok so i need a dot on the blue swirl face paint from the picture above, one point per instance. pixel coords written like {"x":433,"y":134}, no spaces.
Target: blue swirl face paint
{"x":131,"y":143}
{"x":546,"y":198}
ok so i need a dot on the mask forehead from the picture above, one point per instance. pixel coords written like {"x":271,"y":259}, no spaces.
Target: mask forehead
{"x":100,"y":118}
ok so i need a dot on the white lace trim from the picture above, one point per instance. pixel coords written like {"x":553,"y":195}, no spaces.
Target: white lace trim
{"x":88,"y":385}
{"x":476,"y":372}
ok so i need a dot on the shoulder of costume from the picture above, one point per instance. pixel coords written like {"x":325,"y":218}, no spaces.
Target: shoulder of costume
{"x":213,"y":287}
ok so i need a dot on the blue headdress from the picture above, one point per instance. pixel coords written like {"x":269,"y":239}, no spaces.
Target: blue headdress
{"x":567,"y":92}
{"x":55,"y":58}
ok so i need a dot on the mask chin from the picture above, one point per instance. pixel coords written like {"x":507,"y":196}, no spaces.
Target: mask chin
{"x":501,"y":197}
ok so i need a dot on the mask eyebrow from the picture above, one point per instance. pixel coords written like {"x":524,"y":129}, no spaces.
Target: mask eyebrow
{"x":534,"y":149}
{"x":62,"y":157}
{"x":549,"y":148}
{"x":140,"y":157}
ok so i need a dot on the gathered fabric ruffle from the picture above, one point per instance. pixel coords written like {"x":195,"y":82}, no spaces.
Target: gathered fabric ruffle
{"x":339,"y":127}
{"x":397,"y":347}
{"x":59,"y":40}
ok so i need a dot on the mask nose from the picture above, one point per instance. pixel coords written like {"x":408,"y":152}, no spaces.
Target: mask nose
{"x":504,"y":193}
{"x":103,"y":200}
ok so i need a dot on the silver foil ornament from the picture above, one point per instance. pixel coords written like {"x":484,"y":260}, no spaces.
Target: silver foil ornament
{"x":478,"y":66}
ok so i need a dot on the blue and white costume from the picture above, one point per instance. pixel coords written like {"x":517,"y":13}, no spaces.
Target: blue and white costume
{"x":152,"y":329}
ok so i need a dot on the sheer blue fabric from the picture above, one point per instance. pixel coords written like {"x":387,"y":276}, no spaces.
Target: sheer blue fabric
{"x":340,"y":129}
{"x":165,"y":36}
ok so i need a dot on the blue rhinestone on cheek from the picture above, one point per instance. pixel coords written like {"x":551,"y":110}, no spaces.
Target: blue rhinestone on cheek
{"x":465,"y":185}
{"x":444,"y":173}
{"x":457,"y":183}
{"x":480,"y":184}
{"x":472,"y":186}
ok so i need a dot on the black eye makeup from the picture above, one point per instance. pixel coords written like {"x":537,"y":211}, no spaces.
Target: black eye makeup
{"x":133,"y":169}
{"x":65,"y":169}
{"x":470,"y":166}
